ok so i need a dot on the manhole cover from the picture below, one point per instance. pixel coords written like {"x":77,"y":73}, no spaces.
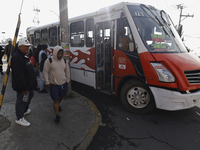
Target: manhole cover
{"x":4,"y":123}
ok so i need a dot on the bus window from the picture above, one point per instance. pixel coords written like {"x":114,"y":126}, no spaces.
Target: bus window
{"x":44,"y":34}
{"x":77,"y":34}
{"x":90,"y":32}
{"x":155,"y":30}
{"x":37,"y":37}
{"x":32,"y":39}
{"x":53,"y":36}
{"x":124,"y":36}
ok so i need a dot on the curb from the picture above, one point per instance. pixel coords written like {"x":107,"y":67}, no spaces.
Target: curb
{"x":98,"y":119}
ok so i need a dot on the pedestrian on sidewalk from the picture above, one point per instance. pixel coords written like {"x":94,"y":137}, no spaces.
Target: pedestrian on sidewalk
{"x":36,"y":53}
{"x":56,"y":75}
{"x":37,"y":71}
{"x":42,"y":58}
{"x":8,"y":49}
{"x":23,"y":81}
{"x":1,"y":62}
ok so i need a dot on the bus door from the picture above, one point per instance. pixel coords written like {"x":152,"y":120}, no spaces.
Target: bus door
{"x":103,"y":53}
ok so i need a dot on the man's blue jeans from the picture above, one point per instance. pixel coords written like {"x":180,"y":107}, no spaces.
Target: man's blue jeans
{"x":41,"y":82}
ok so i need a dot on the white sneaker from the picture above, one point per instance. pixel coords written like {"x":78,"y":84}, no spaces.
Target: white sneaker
{"x":27,"y":112}
{"x":23,"y":122}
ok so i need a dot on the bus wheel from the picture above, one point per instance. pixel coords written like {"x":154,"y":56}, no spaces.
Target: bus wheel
{"x":137,"y":97}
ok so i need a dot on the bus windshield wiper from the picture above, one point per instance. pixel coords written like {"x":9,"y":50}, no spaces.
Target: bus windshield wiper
{"x":152,"y":15}
{"x":166,"y":22}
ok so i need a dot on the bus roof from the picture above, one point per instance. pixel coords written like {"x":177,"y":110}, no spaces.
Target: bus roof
{"x":104,"y":10}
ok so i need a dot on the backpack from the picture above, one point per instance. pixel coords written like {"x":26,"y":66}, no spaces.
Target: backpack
{"x":50,"y":60}
{"x":32,"y":59}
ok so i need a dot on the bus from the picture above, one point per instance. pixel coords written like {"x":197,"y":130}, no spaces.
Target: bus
{"x":131,"y":51}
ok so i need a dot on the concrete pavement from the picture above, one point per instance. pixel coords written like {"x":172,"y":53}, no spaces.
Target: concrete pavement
{"x":79,"y":122}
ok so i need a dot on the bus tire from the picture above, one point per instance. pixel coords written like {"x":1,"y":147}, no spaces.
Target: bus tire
{"x":136,"y":97}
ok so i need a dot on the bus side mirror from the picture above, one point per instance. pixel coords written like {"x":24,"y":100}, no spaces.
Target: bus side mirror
{"x":131,"y":46}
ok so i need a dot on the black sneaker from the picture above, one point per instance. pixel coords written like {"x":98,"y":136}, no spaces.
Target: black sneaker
{"x":1,"y":72}
{"x":42,"y":91}
{"x":57,"y":120}
{"x":60,"y":109}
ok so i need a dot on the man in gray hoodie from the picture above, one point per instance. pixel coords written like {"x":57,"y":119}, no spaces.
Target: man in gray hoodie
{"x":56,"y":75}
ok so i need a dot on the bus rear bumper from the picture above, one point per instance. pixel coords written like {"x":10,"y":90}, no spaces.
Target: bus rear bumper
{"x":173,"y":100}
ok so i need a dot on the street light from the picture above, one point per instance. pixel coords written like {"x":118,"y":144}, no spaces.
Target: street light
{"x":55,"y":14}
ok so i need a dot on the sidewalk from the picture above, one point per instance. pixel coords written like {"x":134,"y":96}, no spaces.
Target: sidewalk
{"x":80,"y":120}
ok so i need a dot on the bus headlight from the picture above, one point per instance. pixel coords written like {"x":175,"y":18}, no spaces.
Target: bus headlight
{"x":164,"y":75}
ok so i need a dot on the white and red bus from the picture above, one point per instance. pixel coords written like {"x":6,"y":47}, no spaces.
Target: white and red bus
{"x":132,"y":51}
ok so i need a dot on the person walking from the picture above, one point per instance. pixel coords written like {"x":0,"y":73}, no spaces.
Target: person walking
{"x":56,"y":76}
{"x":37,"y":71}
{"x":36,"y":56}
{"x":23,"y":81}
{"x":36,"y":53}
{"x":42,"y":58}
{"x":1,"y":62}
{"x":8,"y":50}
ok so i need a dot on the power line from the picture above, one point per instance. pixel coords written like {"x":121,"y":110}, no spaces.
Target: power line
{"x":192,"y":36}
{"x":167,"y":5}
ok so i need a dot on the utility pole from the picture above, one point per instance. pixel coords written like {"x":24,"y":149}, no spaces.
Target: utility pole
{"x":36,"y":18}
{"x":64,"y":34}
{"x":180,"y":6}
{"x":64,"y":21}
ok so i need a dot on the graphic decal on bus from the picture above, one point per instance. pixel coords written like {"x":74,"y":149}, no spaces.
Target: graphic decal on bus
{"x":122,"y":63}
{"x":88,"y":57}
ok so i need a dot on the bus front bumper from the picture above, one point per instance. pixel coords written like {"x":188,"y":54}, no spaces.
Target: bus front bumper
{"x":173,"y":100}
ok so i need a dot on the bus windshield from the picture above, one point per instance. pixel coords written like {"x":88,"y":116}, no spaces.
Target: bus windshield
{"x":156,"y":30}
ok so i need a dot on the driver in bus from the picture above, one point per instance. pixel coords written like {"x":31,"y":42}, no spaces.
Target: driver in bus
{"x":124,"y":40}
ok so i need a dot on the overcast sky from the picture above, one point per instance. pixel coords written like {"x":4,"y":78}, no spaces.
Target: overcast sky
{"x":49,"y":11}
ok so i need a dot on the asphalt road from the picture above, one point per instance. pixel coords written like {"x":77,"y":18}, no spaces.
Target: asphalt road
{"x":121,"y":130}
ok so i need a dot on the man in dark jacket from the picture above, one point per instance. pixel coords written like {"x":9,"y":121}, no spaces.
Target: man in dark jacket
{"x":23,"y":81}
{"x":8,"y":50}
